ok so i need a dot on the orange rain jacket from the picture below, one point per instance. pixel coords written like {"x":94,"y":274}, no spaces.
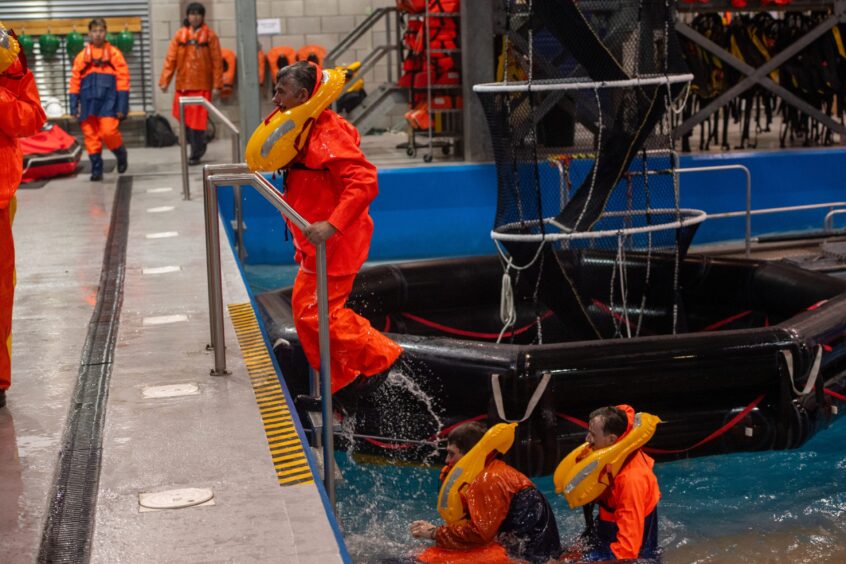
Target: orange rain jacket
{"x":630,"y":498}
{"x":195,"y":57}
{"x":99,"y":84}
{"x":21,"y":115}
{"x":332,"y":181}
{"x":487,"y":500}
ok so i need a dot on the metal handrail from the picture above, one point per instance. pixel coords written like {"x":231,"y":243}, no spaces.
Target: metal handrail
{"x":828,"y":222}
{"x":238,"y":175}
{"x":357,"y":34}
{"x":748,"y":212}
{"x":236,"y":158}
{"x":369,"y":62}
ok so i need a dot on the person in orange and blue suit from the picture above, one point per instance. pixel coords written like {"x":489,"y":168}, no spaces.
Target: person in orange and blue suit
{"x":194,"y":56}
{"x":99,"y":97}
{"x":628,"y":508}
{"x":331,"y":184}
{"x":21,"y":115}
{"x":502,"y":506}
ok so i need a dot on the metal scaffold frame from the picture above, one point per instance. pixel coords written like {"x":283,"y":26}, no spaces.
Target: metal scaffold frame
{"x":760,"y":76}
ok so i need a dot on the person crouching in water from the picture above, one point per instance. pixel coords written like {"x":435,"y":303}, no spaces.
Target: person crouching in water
{"x":331,"y":184}
{"x":99,"y":97}
{"x":628,"y":508}
{"x":501,"y":505}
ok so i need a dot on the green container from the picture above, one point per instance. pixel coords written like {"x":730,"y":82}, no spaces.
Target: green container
{"x":49,"y":45}
{"x":125,"y":40}
{"x":111,"y":38}
{"x":74,"y":43}
{"x":27,"y":44}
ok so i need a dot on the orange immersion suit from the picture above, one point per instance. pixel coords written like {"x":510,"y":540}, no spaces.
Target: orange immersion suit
{"x":503,"y":509}
{"x":331,"y":180}
{"x":20,"y":115}
{"x":194,"y":55}
{"x":99,"y":92}
{"x":628,"y":521}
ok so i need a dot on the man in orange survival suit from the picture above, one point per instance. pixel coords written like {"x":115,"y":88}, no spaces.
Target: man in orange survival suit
{"x":99,"y":97}
{"x":628,"y":508}
{"x":194,"y":55}
{"x":331,"y":185}
{"x":20,"y":115}
{"x":501,"y":504}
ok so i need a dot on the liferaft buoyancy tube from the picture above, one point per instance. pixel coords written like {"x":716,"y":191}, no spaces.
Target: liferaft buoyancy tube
{"x":283,"y":134}
{"x":498,"y":438}
{"x":585,"y":473}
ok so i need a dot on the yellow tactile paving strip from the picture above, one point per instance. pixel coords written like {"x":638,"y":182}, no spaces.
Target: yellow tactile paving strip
{"x":287,"y":452}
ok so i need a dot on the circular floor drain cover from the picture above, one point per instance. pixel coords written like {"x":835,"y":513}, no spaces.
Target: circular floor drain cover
{"x":175,"y":499}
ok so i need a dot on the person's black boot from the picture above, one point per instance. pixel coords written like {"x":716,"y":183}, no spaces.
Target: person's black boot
{"x":2,"y":399}
{"x":96,"y":166}
{"x":122,"y":159}
{"x":200,"y":143}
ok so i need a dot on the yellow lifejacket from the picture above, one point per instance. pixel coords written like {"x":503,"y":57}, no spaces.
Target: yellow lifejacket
{"x":282,"y":135}
{"x":583,"y":474}
{"x":9,"y":49}
{"x":499,"y":438}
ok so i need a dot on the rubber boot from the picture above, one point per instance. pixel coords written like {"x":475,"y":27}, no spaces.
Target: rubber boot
{"x":96,"y":166}
{"x":198,"y":145}
{"x":122,"y":159}
{"x":191,"y":136}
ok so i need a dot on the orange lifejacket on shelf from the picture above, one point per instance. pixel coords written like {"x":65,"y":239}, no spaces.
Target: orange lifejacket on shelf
{"x":314,"y":53}
{"x":262,"y":67}
{"x":278,"y":57}
{"x":229,"y":61}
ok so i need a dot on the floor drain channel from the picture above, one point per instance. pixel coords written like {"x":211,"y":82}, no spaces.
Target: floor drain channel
{"x":70,"y":521}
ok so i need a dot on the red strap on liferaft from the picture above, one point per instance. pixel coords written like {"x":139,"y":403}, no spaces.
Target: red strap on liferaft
{"x":722,"y":430}
{"x":474,"y":334}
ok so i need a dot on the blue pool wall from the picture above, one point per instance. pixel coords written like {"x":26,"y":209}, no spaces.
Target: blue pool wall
{"x":448,"y":210}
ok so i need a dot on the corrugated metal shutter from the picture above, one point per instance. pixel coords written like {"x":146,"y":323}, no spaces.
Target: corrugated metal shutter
{"x":53,"y":76}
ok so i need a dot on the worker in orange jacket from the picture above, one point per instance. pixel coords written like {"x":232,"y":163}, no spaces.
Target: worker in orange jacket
{"x":99,"y":97}
{"x":502,"y":506}
{"x":20,"y":115}
{"x":628,"y":508}
{"x":331,"y":184}
{"x":194,"y":55}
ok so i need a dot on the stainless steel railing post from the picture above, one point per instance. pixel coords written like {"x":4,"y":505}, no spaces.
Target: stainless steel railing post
{"x":236,"y":158}
{"x":186,"y":188}
{"x":237,"y":174}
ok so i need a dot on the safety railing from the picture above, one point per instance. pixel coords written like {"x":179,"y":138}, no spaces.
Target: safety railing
{"x":236,"y":158}
{"x":238,"y":175}
{"x":828,"y":222}
{"x":393,"y":43}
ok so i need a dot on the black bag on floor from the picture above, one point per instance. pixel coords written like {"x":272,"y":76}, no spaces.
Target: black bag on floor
{"x":158,"y":132}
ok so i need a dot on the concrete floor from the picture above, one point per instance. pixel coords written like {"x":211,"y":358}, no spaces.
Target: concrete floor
{"x":214,"y":439}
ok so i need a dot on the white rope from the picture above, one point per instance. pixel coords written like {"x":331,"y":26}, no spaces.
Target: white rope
{"x":530,"y":407}
{"x":813,"y":373}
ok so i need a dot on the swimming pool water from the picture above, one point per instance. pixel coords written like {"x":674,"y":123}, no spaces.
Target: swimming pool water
{"x":784,"y":506}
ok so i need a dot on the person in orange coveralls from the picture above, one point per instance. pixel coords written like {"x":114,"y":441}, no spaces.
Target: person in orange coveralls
{"x":331,"y":184}
{"x":99,"y":97}
{"x":502,"y":505}
{"x":628,"y":508}
{"x":194,"y":55}
{"x":20,"y":115}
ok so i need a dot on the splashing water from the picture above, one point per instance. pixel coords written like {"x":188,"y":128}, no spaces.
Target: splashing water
{"x":782,"y":506}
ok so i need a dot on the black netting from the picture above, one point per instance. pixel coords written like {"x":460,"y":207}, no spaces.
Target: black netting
{"x":590,"y":159}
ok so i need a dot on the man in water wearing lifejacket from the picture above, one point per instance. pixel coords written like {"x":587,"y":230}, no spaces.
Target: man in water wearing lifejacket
{"x":21,"y":115}
{"x":194,"y":55}
{"x":628,"y":508}
{"x":502,"y":505}
{"x":99,"y":97}
{"x":331,"y":184}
